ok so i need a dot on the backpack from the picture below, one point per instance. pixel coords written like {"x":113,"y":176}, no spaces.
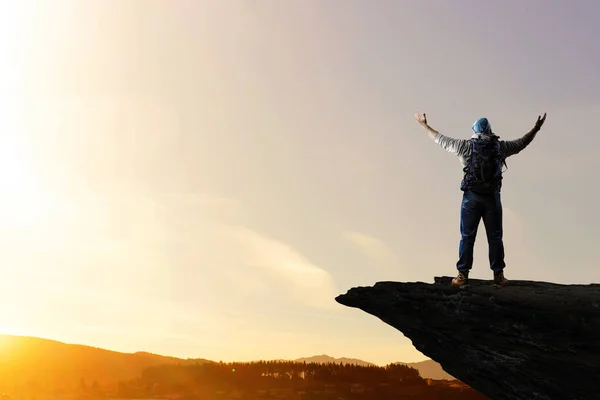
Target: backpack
{"x":483,"y":173}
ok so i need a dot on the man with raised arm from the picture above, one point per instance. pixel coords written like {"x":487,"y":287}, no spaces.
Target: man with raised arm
{"x":482,"y":157}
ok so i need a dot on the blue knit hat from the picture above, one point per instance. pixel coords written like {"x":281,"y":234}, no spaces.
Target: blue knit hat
{"x":482,"y":126}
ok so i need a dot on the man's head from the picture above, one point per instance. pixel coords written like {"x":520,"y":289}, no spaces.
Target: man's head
{"x":482,"y":127}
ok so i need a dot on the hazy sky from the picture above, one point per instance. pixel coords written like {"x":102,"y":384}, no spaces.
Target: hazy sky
{"x":202,"y":178}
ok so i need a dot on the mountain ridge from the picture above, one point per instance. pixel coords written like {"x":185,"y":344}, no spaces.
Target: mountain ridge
{"x":29,"y":358}
{"x":324,"y":358}
{"x":139,"y":360}
{"x":427,"y":368}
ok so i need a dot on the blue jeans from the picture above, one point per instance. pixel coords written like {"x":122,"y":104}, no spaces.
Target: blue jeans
{"x":475,"y":207}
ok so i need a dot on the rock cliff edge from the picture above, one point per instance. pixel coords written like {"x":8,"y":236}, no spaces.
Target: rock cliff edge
{"x":530,"y":340}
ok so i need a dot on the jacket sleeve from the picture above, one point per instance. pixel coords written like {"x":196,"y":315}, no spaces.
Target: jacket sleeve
{"x":512,"y":147}
{"x":459,"y":147}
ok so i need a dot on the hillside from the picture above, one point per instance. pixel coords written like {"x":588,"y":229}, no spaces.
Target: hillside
{"x":429,"y":369}
{"x":29,"y":359}
{"x":49,"y":362}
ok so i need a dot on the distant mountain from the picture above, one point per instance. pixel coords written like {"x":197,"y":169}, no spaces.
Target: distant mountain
{"x":29,"y":359}
{"x":323,"y":359}
{"x":26,"y":359}
{"x":429,"y":369}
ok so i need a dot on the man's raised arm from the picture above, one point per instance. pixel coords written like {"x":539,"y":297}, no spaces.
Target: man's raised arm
{"x":512,"y":147}
{"x":455,"y":146}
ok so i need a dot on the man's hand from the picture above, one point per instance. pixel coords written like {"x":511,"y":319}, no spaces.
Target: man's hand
{"x":540,"y":122}
{"x":529,"y":136}
{"x":421,"y":119}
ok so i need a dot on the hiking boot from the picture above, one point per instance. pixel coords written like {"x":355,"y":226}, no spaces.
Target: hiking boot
{"x":499,"y":279}
{"x":461,"y":279}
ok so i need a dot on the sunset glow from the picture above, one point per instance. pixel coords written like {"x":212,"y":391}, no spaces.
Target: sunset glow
{"x":202,"y":178}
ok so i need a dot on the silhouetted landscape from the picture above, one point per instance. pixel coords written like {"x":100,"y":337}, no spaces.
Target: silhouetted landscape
{"x":34,"y":369}
{"x":49,"y":363}
{"x":289,"y":380}
{"x":427,"y":368}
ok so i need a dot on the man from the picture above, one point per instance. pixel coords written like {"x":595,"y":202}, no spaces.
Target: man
{"x":482,"y":157}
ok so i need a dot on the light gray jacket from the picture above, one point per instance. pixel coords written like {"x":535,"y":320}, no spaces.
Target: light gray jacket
{"x":462,"y":147}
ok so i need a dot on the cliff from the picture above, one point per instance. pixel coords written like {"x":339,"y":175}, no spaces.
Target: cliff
{"x":527,"y":341}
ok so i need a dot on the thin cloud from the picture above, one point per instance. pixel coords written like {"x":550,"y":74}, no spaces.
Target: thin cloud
{"x":373,"y":249}
{"x":276,"y":260}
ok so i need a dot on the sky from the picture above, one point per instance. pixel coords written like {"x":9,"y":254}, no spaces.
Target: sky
{"x":202,"y":178}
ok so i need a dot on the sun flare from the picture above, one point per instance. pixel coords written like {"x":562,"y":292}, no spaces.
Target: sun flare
{"x":21,"y":198}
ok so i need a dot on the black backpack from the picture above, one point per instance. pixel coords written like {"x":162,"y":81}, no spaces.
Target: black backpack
{"x":483,"y":173}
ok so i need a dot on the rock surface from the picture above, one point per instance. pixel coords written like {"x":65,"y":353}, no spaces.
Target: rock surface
{"x":530,"y":340}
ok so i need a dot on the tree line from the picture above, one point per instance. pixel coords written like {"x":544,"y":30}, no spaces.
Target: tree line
{"x":250,"y":381}
{"x":204,"y":380}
